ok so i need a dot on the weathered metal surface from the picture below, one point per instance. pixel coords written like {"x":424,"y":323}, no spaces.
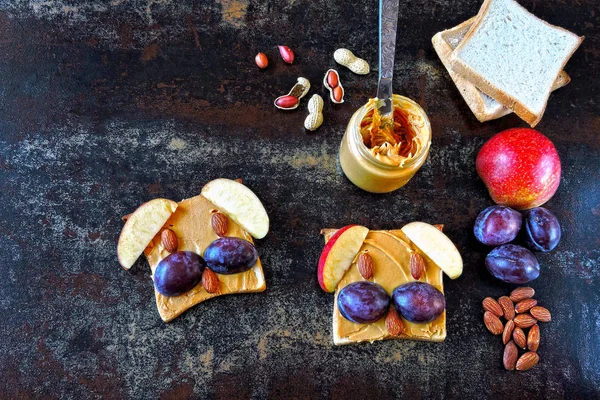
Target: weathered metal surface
{"x":104,"y":105}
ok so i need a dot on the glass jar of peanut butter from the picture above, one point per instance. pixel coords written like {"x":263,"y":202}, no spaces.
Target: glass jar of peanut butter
{"x":378,"y":157}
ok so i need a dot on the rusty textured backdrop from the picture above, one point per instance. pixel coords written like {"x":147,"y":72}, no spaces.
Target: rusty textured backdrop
{"x":105,"y":104}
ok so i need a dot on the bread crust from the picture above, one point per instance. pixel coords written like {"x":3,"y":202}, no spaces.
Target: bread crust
{"x":471,"y":94}
{"x":468,"y":91}
{"x":466,"y":72}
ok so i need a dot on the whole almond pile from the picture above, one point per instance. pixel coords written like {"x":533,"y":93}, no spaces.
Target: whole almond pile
{"x":521,"y":330}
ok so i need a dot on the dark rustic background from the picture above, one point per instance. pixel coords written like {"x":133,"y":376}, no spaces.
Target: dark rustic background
{"x":106,"y":104}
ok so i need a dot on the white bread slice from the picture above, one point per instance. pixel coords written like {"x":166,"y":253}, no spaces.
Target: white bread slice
{"x":514,"y":57}
{"x":483,"y":106}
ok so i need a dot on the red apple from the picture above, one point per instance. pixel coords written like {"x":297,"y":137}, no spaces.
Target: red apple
{"x":338,"y":254}
{"x":520,"y":168}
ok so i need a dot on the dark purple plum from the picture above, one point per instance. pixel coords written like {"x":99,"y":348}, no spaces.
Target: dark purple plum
{"x":542,"y":230}
{"x":497,"y":225}
{"x":513,"y":264}
{"x":419,"y":302}
{"x":363,"y":302}
{"x":178,"y":272}
{"x":230,"y":255}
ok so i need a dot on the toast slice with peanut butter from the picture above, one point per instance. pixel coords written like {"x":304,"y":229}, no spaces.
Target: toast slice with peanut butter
{"x":390,"y":251}
{"x":191,"y":222}
{"x":199,"y":248}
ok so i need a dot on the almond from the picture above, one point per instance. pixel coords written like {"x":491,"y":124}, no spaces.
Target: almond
{"x":541,"y":314}
{"x":220,"y":224}
{"x":439,"y":227}
{"x":124,"y":218}
{"x":169,"y":240}
{"x":417,"y":265}
{"x":508,"y":331}
{"x":508,"y":307}
{"x":511,"y":353}
{"x":525,"y":320}
{"x":210,"y":280}
{"x":365,"y":265}
{"x":238,"y":180}
{"x":492,"y":323}
{"x":519,"y":337}
{"x":521,"y":293}
{"x":394,"y":323}
{"x":533,"y":338}
{"x":492,"y":306}
{"x":525,"y":305}
{"x":527,"y":361}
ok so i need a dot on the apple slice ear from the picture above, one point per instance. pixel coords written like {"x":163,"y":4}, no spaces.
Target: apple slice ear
{"x":240,"y":204}
{"x":437,"y":246}
{"x":140,"y":228}
{"x":338,"y":254}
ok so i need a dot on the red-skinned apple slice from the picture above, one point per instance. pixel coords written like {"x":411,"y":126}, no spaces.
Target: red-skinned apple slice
{"x":141,"y":227}
{"x":338,"y":254}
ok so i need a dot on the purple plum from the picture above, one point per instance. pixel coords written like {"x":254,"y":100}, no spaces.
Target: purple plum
{"x":178,"y":273}
{"x":230,"y":255}
{"x":419,"y":302}
{"x":363,"y":302}
{"x":512,"y":264}
{"x":542,"y":230}
{"x":497,"y":225}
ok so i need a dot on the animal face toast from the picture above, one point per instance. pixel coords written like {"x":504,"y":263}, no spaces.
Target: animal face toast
{"x":201,"y":252}
{"x":377,"y":302}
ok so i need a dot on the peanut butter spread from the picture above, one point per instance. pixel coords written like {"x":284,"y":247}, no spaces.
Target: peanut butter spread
{"x":191,"y":222}
{"x":390,"y":251}
{"x":396,"y":143}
